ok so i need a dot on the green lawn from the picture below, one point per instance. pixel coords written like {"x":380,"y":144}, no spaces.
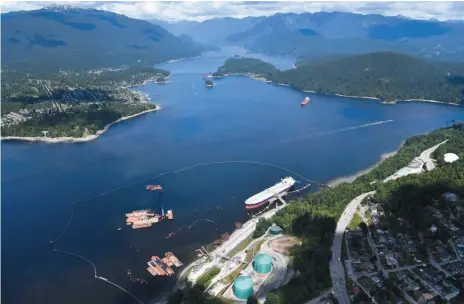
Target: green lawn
{"x":355,"y":221}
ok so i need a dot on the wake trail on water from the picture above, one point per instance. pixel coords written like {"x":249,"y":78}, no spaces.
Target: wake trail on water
{"x":331,"y":132}
{"x":371,"y":124}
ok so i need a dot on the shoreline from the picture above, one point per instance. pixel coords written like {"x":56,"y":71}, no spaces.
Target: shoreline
{"x":352,"y":177}
{"x":147,"y":81}
{"x":54,"y":140}
{"x":249,"y":223}
{"x":341,"y":95}
{"x":180,"y":59}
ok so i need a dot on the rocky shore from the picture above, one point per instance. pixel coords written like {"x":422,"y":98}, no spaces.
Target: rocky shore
{"x":53,"y":140}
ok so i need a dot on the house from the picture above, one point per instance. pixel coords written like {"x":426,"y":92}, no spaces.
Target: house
{"x":411,"y":284}
{"x":425,"y":298}
{"x":450,"y":197}
{"x":450,"y":291}
{"x":391,"y":261}
{"x":402,"y":274}
{"x":431,"y":275}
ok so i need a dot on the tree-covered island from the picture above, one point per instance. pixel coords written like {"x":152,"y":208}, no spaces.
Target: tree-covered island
{"x":209,"y":83}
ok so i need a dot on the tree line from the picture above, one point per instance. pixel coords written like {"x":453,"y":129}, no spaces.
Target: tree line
{"x":387,"y":76}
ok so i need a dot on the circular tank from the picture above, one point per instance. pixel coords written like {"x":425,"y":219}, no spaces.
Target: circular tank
{"x":243,"y":287}
{"x":262,"y":263}
{"x":275,"y":229}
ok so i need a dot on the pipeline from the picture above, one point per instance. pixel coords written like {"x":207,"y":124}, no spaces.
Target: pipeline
{"x":95,"y":271}
{"x":194,"y":166}
{"x":174,"y":172}
{"x":75,"y":203}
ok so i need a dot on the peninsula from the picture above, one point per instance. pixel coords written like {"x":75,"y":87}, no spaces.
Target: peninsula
{"x":71,"y":106}
{"x":386,"y":76}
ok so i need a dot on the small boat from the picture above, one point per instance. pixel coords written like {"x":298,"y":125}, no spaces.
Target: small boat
{"x":305,"y":101}
{"x":119,"y":229}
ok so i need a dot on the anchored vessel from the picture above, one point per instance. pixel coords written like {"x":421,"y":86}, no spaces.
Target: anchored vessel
{"x":265,"y":196}
{"x":146,"y":217}
{"x":305,"y":101}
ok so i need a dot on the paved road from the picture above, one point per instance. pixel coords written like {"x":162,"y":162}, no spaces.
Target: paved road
{"x":416,"y":165}
{"x":337,"y":272}
{"x":426,"y":156}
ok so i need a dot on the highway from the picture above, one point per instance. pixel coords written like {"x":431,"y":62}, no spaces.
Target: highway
{"x":337,"y":271}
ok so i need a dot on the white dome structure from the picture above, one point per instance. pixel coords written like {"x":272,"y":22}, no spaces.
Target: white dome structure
{"x":450,"y":157}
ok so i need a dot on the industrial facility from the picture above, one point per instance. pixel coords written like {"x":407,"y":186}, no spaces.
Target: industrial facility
{"x":262,"y":263}
{"x":243,"y":287}
{"x":275,"y":230}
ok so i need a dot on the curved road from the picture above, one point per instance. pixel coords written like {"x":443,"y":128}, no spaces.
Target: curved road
{"x":337,"y":271}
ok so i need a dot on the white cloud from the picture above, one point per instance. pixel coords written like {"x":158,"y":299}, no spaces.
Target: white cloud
{"x":202,"y":10}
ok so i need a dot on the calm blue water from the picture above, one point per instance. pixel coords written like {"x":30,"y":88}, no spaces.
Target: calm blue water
{"x":239,"y":119}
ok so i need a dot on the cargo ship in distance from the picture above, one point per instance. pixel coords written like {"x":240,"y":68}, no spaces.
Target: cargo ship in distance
{"x":269,"y":194}
{"x":305,"y":101}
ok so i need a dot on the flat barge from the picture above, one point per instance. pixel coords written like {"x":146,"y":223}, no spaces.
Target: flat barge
{"x":162,"y":266}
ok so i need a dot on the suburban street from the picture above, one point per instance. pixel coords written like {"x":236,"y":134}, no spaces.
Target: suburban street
{"x":337,"y":271}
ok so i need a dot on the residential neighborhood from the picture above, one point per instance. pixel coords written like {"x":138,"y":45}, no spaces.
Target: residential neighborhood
{"x":389,"y":260}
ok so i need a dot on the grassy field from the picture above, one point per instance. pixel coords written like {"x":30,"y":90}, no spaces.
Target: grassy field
{"x":355,"y":221}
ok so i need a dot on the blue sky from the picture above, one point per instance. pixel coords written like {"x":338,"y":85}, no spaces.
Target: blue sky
{"x":202,"y":10}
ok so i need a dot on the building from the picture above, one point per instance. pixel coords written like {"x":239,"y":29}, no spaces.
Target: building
{"x":243,"y":287}
{"x":412,"y":285}
{"x":391,"y":261}
{"x":450,"y":197}
{"x":431,"y":275}
{"x":262,"y":263}
{"x":450,"y":291}
{"x":402,"y":274}
{"x":425,"y":298}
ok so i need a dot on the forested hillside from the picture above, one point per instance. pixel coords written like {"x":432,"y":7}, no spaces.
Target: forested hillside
{"x":60,"y":37}
{"x":313,"y":35}
{"x":313,"y":218}
{"x":73,"y":104}
{"x":386,"y":75}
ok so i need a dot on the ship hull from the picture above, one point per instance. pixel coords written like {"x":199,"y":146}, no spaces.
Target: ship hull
{"x":264,"y":202}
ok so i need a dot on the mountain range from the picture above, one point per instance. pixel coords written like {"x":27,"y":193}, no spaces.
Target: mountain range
{"x":60,"y":37}
{"x":315,"y":35}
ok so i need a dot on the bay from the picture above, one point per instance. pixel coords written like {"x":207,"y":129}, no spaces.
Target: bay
{"x":239,"y":119}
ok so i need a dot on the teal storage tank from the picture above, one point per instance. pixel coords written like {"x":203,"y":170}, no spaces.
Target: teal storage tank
{"x":243,"y":287}
{"x":275,"y":230}
{"x":262,"y":263}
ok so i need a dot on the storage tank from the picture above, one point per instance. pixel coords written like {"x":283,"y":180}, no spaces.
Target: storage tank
{"x":243,"y":287}
{"x":262,"y":263}
{"x":275,"y":229}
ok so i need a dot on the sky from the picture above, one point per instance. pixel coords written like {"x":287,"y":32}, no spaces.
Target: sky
{"x":202,"y":10}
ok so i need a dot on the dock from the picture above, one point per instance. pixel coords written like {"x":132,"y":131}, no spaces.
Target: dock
{"x":162,"y":266}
